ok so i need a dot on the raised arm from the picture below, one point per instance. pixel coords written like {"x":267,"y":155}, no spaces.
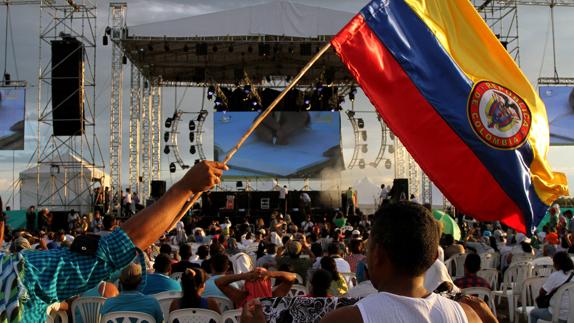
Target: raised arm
{"x":235,"y":295}
{"x":149,"y":224}
{"x":287,"y":279}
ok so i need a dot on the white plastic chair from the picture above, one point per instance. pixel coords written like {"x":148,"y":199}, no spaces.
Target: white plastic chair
{"x":297,"y":290}
{"x":487,"y":260}
{"x":176,"y":276}
{"x":449,"y":264}
{"x":233,"y":316}
{"x":224,"y":304}
{"x":530,"y":289}
{"x":483,"y":293}
{"x":556,"y":300}
{"x":490,"y":275}
{"x":350,"y":279}
{"x":242,"y":263}
{"x":88,"y":307}
{"x":511,"y":285}
{"x":459,"y":264}
{"x":54,"y":315}
{"x":542,"y":270}
{"x":127,"y":316}
{"x":165,"y":299}
{"x":194,"y":315}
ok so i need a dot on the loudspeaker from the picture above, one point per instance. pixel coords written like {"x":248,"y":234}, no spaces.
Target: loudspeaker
{"x":400,"y":189}
{"x":67,"y":87}
{"x":157,"y":189}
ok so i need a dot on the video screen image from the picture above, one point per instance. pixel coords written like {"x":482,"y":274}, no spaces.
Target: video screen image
{"x":12,"y":116}
{"x":559,"y":101}
{"x":286,"y":144}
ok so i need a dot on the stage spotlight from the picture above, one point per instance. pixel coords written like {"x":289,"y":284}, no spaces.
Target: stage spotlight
{"x":184,"y":166}
{"x":247,"y":89}
{"x":319,"y":86}
{"x":391,"y":149}
{"x":166,"y":150}
{"x":105,"y":40}
{"x":391,"y":136}
{"x":124,"y":59}
{"x":364,"y":149}
{"x":166,"y":137}
{"x":210,"y":92}
{"x":197,"y":161}
{"x":172,"y":168}
{"x":360,"y":123}
{"x":108,"y":30}
{"x":191,"y":125}
{"x":361,"y":163}
{"x":191,"y":137}
{"x":388,"y":164}
{"x":168,"y":122}
{"x":239,"y":184}
{"x":192,"y":150}
{"x":364,"y":135}
{"x":351,"y":113}
{"x":352,"y":93}
{"x":254,"y":104}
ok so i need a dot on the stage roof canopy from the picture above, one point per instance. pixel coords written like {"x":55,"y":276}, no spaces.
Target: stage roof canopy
{"x":271,"y":39}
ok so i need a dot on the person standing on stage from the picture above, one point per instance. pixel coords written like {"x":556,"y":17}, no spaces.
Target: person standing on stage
{"x":283,"y":191}
{"x":128,"y":202}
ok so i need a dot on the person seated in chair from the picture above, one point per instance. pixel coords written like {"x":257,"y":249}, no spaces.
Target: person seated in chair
{"x":193,"y":285}
{"x":130,"y":299}
{"x":257,"y":284}
{"x":159,"y":281}
{"x":470,"y":279}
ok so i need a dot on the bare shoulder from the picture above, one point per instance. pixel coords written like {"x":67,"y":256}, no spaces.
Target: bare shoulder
{"x":344,"y":315}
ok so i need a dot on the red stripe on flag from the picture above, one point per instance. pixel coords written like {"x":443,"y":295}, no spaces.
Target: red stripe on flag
{"x":436,"y":147}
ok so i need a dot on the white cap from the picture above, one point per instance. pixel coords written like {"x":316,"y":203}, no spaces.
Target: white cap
{"x":356,"y":232}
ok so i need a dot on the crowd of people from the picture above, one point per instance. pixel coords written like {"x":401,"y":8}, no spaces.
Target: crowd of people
{"x":393,"y":260}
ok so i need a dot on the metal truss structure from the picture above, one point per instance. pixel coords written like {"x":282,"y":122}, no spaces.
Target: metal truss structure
{"x":71,"y":155}
{"x":384,"y":147}
{"x":502,"y":18}
{"x":155,"y":128}
{"x":145,"y":145}
{"x":134,"y":140}
{"x":117,"y":30}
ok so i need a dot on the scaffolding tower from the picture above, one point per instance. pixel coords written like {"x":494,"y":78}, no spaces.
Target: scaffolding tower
{"x":70,"y":155}
{"x":117,"y":30}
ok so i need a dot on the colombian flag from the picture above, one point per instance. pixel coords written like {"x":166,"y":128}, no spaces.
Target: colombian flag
{"x":461,"y":106}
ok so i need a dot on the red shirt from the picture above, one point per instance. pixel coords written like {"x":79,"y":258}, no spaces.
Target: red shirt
{"x":471,"y":280}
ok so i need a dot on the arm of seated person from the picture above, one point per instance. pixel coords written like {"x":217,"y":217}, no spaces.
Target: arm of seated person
{"x":234,"y":294}
{"x":343,"y":315}
{"x":212,"y":305}
{"x":286,"y":279}
{"x":476,"y":310}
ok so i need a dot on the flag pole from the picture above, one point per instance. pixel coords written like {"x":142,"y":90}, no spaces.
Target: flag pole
{"x":256,"y":123}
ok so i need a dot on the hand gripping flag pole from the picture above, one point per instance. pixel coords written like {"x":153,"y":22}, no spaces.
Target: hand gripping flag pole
{"x":255,"y":124}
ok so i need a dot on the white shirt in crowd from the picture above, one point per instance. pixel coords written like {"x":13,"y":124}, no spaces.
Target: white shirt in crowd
{"x":436,"y":275}
{"x":342,"y":265}
{"x":556,"y":279}
{"x":128,"y":198}
{"x":364,"y":289}
{"x":305,"y":197}
{"x":384,"y":192}
{"x":385,"y":307}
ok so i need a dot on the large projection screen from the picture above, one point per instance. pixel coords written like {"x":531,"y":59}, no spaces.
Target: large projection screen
{"x":559,"y":101}
{"x":12,"y":116}
{"x":286,"y":144}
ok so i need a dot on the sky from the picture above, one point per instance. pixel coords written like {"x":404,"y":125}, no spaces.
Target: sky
{"x":535,"y":59}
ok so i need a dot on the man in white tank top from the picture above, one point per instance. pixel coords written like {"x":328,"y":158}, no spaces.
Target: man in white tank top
{"x":403,"y":244}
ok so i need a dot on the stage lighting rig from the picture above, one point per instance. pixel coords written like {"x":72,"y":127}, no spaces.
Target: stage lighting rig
{"x":166,"y":136}
{"x":352,"y":93}
{"x":172,"y":167}
{"x":192,"y":150}
{"x":191,"y":137}
{"x":192,"y":126}
{"x":360,"y":123}
{"x":210,"y":92}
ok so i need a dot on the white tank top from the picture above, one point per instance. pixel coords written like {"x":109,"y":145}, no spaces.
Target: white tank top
{"x":386,"y":307}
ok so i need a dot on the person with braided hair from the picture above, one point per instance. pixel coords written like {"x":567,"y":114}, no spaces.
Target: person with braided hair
{"x":193,"y":285}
